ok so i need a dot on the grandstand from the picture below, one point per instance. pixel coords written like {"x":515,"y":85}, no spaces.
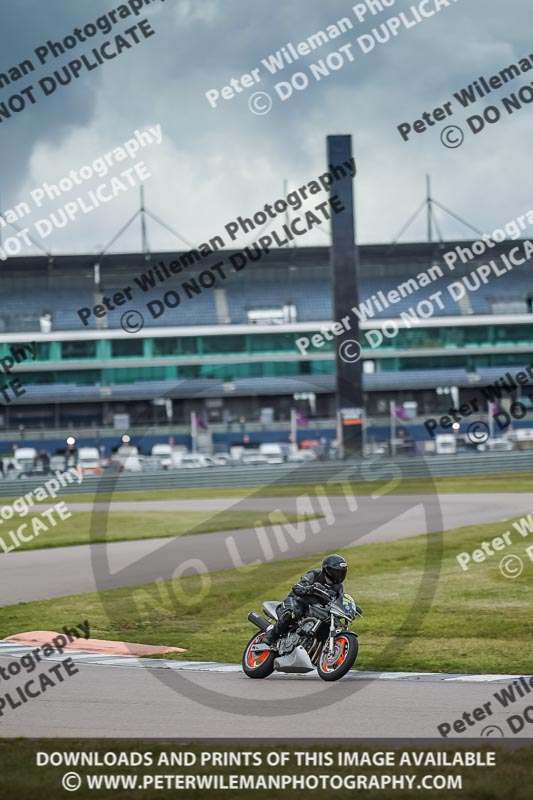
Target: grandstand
{"x":230,"y":351}
{"x":299,"y":276}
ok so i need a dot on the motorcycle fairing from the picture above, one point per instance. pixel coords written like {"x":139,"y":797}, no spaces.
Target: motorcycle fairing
{"x":297,"y":661}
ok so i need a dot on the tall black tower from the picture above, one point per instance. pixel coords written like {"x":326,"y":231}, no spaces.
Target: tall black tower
{"x":344,"y":260}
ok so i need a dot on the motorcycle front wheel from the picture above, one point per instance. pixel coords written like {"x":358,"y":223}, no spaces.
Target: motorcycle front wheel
{"x":257,"y":665}
{"x":343,"y":659}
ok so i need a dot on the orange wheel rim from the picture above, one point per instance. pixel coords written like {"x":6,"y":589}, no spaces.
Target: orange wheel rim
{"x":343,"y":643}
{"x":253,"y":660}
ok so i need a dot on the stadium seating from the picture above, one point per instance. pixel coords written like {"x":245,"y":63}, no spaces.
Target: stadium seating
{"x":311,"y":298}
{"x":242,"y":293}
{"x":25,"y":309}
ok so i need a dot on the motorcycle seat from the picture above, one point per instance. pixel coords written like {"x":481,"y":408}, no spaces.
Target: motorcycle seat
{"x":270,"y":607}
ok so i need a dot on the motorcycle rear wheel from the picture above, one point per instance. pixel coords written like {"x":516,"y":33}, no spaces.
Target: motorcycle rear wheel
{"x":346,"y":650}
{"x":260,"y":666}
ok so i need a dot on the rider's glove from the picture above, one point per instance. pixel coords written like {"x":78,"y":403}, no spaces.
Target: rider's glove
{"x":301,"y":590}
{"x":321,"y":593}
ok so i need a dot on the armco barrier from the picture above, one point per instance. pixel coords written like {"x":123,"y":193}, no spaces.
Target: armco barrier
{"x":317,"y":472}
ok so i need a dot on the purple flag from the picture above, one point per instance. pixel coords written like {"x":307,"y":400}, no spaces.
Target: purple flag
{"x":302,"y":421}
{"x":401,"y":413}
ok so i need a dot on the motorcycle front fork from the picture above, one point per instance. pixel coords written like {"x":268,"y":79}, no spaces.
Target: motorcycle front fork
{"x":332,"y":632}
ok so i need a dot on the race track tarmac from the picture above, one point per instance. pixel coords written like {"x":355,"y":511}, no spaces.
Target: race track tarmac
{"x":123,"y":702}
{"x":346,"y":521}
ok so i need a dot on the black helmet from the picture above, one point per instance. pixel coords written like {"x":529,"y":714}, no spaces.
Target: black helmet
{"x":335,"y":567}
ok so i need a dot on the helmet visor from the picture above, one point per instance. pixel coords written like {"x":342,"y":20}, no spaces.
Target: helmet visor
{"x":337,"y":573}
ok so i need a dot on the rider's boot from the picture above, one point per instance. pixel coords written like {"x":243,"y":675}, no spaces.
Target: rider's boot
{"x":277,"y":630}
{"x":270,"y":637}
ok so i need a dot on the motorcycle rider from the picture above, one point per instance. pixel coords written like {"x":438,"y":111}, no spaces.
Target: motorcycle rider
{"x":322,"y":584}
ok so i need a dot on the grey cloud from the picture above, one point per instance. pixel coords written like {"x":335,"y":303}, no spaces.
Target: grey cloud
{"x":218,"y":163}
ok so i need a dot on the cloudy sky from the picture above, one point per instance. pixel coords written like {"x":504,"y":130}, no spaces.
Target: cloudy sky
{"x":215,"y":164}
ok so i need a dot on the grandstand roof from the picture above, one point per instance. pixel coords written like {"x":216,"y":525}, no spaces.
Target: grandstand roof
{"x":388,"y":258}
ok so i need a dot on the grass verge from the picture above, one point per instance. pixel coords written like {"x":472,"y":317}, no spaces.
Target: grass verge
{"x":466,"y":484}
{"x":126,"y":526}
{"x":478,"y":621}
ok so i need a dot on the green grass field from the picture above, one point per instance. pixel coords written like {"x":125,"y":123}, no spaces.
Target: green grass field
{"x":505,"y":482}
{"x":422,"y":612}
{"x":120,"y":526}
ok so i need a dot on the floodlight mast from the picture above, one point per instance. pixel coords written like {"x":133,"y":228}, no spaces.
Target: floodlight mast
{"x":344,"y":260}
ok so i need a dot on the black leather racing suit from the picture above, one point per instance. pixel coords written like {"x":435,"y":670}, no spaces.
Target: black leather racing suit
{"x":301,"y":595}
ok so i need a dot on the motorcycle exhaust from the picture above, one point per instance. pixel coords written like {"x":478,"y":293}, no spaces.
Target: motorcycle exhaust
{"x":258,"y":620}
{"x":314,"y":651}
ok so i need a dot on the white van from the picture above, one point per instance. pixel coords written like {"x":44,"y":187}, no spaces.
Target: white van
{"x":445,"y":444}
{"x":24,"y":458}
{"x":275,"y":453}
{"x":89,"y":461}
{"x":129,"y":459}
{"x":162,"y":453}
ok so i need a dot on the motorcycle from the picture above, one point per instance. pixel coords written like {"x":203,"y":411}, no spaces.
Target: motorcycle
{"x":320,"y":640}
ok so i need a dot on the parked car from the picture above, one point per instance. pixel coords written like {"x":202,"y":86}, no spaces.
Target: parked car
{"x":303,"y":456}
{"x":89,"y":461}
{"x":253,"y":457}
{"x":224,"y":460}
{"x":275,"y":453}
{"x":445,"y":444}
{"x":27,"y":463}
{"x":128,"y":459}
{"x":196,"y":461}
{"x":133,"y":463}
{"x":523,"y":438}
{"x":496,"y":445}
{"x":24,"y":458}
{"x":375,"y":449}
{"x":163,"y":455}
